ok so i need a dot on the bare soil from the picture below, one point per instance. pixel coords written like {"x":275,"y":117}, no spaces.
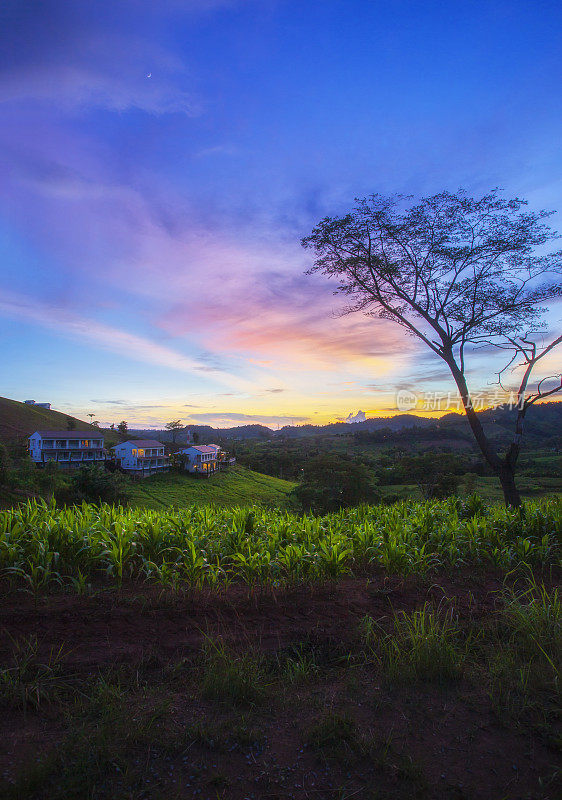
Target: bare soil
{"x":343,"y":731}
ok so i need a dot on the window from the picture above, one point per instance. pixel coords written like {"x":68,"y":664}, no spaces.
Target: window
{"x":48,"y":443}
{"x":73,"y":443}
{"x":85,"y":443}
{"x":134,"y":452}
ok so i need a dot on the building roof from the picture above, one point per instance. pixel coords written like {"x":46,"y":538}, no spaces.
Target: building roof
{"x":141,"y":443}
{"x":203,"y":448}
{"x":77,"y":434}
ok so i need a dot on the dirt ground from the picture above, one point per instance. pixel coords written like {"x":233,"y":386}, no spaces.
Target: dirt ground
{"x":134,"y":713}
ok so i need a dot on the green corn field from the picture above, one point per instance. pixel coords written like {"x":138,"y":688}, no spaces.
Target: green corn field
{"x":42,"y":546}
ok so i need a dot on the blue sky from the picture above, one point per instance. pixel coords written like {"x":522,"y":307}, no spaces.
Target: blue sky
{"x":161,"y":162}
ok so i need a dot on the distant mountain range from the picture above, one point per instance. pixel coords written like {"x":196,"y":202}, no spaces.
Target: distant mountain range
{"x":207,"y":433}
{"x":543,"y":424}
{"x":543,"y":421}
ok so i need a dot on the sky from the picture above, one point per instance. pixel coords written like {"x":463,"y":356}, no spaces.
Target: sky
{"x":160,"y":162}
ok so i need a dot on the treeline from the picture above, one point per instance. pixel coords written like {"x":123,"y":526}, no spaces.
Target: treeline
{"x":387,"y":435}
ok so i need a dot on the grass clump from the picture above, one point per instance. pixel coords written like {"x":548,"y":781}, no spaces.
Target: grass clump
{"x":524,"y":665}
{"x":335,"y":737}
{"x":425,"y":645}
{"x":94,"y":758}
{"x":29,"y":681}
{"x":229,"y":677}
{"x":301,"y":668}
{"x":534,"y":617}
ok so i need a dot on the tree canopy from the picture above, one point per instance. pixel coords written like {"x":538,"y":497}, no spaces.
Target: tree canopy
{"x":458,"y":273}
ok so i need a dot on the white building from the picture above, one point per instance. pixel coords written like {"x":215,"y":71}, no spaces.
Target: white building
{"x":201,"y":459}
{"x":204,"y":459}
{"x":39,"y":405}
{"x":67,"y":448}
{"x":141,"y":457}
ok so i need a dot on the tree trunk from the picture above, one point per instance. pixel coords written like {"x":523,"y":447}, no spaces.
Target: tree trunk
{"x":511,"y":494}
{"x":476,"y":426}
{"x":504,"y":469}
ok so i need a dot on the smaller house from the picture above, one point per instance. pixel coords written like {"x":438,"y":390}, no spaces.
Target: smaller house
{"x":201,"y":459}
{"x":67,"y":448}
{"x":39,"y":405}
{"x":205,"y":459}
{"x":140,"y":457}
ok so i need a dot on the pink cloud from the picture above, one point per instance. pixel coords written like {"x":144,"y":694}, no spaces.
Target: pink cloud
{"x":293,"y":324}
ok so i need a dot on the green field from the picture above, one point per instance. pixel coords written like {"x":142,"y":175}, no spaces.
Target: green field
{"x":544,"y":480}
{"x":217,"y":653}
{"x":236,"y":486}
{"x":42,"y":545}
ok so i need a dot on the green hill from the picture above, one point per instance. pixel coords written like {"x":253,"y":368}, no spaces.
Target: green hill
{"x":18,"y":420}
{"x":236,"y":486}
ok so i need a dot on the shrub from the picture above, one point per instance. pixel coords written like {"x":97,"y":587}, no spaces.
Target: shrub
{"x":95,"y":484}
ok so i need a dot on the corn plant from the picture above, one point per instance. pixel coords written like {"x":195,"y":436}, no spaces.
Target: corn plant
{"x":43,"y":547}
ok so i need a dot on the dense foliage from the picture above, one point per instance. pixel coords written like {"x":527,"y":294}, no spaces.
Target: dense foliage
{"x":41,"y":545}
{"x":96,"y":484}
{"x":329,"y":483}
{"x":91,"y":482}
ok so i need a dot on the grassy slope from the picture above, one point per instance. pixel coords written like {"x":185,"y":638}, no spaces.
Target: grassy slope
{"x":237,"y":486}
{"x":18,"y":420}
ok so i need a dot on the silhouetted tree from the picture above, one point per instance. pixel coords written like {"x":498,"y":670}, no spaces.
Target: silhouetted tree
{"x":458,"y":273}
{"x":123,"y":429}
{"x":173,"y":427}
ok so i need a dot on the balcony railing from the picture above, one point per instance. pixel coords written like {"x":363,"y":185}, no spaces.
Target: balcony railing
{"x":78,"y":446}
